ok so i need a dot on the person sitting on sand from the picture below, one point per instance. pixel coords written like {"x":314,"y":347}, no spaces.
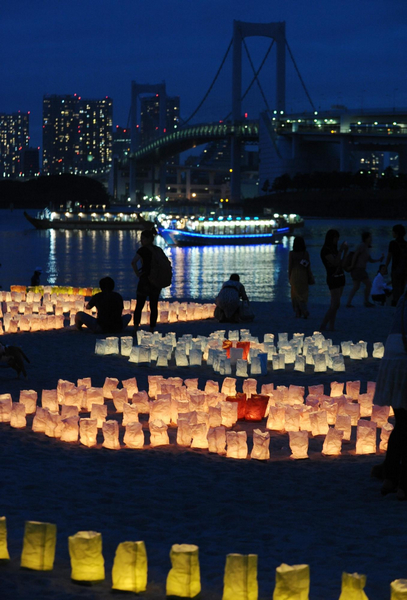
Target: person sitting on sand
{"x":228,"y":300}
{"x":380,"y":289}
{"x":109,"y":305}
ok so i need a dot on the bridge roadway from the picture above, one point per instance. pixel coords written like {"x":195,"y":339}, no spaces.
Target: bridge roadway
{"x":183,"y":139}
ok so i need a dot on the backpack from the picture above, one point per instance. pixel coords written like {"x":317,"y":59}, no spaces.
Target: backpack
{"x":161,"y":269}
{"x":347,"y":263}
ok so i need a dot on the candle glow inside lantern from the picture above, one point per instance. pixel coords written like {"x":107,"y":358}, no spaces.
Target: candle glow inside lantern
{"x":229,"y":413}
{"x":217,"y":439}
{"x":99,"y":412}
{"x":110,"y":384}
{"x":398,"y":589}
{"x":366,"y":437}
{"x":184,"y":578}
{"x":4,"y":554}
{"x":236,"y":442}
{"x":39,"y":546}
{"x":120,"y":397}
{"x":5,"y":408}
{"x":70,"y":429}
{"x":29,"y":399}
{"x":158,"y":433}
{"x":298,"y":441}
{"x":85,"y":552}
{"x":276,"y":418}
{"x":129,"y":573}
{"x":88,"y":430}
{"x":378,"y":350}
{"x":134,"y":435}
{"x":17,"y":416}
{"x":199,"y":432}
{"x":292,"y":582}
{"x":53,"y":424}
{"x":384,"y":436}
{"x":353,"y":587}
{"x":130,"y":414}
{"x":261,"y":445}
{"x":333,"y":442}
{"x":110,"y":431}
{"x":343,"y":423}
{"x":380,"y":415}
{"x":240,"y":578}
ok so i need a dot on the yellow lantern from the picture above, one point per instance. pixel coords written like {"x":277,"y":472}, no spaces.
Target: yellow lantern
{"x":292,"y":582}
{"x":4,"y":555}
{"x":39,"y":546}
{"x":85,"y":551}
{"x":398,"y":589}
{"x":240,"y":579}
{"x":184,"y":578}
{"x":129,"y":572}
{"x":352,"y":587}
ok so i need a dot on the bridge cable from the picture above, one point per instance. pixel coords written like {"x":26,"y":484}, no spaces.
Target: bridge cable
{"x":254,"y":78}
{"x":299,"y":75}
{"x":211,"y":86}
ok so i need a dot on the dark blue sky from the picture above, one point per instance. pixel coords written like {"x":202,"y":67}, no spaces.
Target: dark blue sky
{"x":350,"y":52}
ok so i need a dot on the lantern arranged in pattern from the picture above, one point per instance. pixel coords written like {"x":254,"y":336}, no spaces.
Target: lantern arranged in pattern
{"x":184,"y":578}
{"x":49,"y":399}
{"x":158,"y":433}
{"x":129,"y":573}
{"x":384,"y":436}
{"x":4,"y":555}
{"x":5,"y":408}
{"x":99,"y":412}
{"x":240,"y":579}
{"x":366,"y":437}
{"x":292,"y":582}
{"x":88,"y":430}
{"x":110,"y":431}
{"x":17,"y":416}
{"x":298,"y":441}
{"x":217,"y":440}
{"x":398,"y":589}
{"x":70,"y":429}
{"x":85,"y":552}
{"x":29,"y":399}
{"x":261,"y":445}
{"x":39,"y":546}
{"x":333,"y":442}
{"x":352,"y":587}
{"x":134,"y":435}
{"x":343,"y":423}
{"x":236,"y":442}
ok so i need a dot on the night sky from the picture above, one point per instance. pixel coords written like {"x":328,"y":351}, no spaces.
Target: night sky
{"x":351,"y":52}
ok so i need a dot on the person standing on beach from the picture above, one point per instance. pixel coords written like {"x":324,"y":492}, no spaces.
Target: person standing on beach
{"x":397,"y":255}
{"x":141,"y":264}
{"x":332,"y":258}
{"x":300,"y":276}
{"x":358,"y":271}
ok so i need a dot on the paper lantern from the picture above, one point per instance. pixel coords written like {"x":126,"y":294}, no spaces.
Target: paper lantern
{"x":319,"y":423}
{"x":292,"y":419}
{"x":217,"y":440}
{"x":245,"y":345}
{"x":39,"y":546}
{"x":5,"y":408}
{"x":85,"y":552}
{"x":158,"y":433}
{"x":69,"y":411}
{"x":62,"y":387}
{"x":305,"y":422}
{"x":353,"y":410}
{"x":40,"y":417}
{"x":295,"y":394}
{"x":240,"y":579}
{"x":211,"y":386}
{"x":130,"y":385}
{"x":120,"y":397}
{"x":110,"y":384}
{"x":278,"y":362}
{"x":110,"y":430}
{"x":384,"y":436}
{"x":88,"y":430}
{"x":85,"y":382}
{"x":345,"y":346}
{"x":140,"y":400}
{"x":99,"y":412}
{"x":229,"y":413}
{"x":184,"y":431}
{"x":336,"y":389}
{"x":199,"y":439}
{"x":154,"y":385}
{"x":4,"y":554}
{"x":299,"y":364}
{"x":184,"y":579}
{"x":366,"y":437}
{"x":353,"y":389}
{"x":93,"y":396}
{"x":378,"y":350}
{"x":70,"y":429}
{"x":261,"y":445}
{"x":126,"y":345}
{"x":255,"y":407}
{"x":29,"y":399}
{"x":298,"y":441}
{"x":319,"y":362}
{"x":366,"y":404}
{"x":229,"y":386}
{"x":236,"y":442}
{"x":130,"y":414}
{"x":352,"y":587}
{"x":73,"y":397}
{"x":398,"y":589}
{"x":241,"y":368}
{"x":292,"y":582}
{"x":161,"y":409}
{"x":338,"y":363}
{"x":276,"y":418}
{"x":129,"y":573}
{"x":380,"y":415}
{"x":333,"y":442}
{"x":17,"y":415}
{"x":53,"y":424}
{"x":343,"y":423}
{"x":134,"y":435}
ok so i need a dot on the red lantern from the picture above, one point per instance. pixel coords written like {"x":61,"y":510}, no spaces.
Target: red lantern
{"x":240,"y":398}
{"x":256,"y":407}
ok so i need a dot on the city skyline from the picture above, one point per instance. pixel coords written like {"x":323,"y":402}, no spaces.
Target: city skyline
{"x":349,"y":53}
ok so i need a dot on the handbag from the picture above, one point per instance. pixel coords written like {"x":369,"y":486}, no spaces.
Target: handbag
{"x":245,"y":311}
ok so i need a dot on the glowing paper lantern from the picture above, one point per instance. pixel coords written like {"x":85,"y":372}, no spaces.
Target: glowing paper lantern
{"x":70,"y":429}
{"x":130,"y":414}
{"x":94,"y":396}
{"x":129,"y":573}
{"x":366,"y":437}
{"x":217,"y":440}
{"x":278,"y":362}
{"x":126,"y":345}
{"x":110,"y":431}
{"x":336,"y":388}
{"x":39,"y":420}
{"x":366,"y":404}
{"x":333,"y":442}
{"x":141,"y":401}
{"x":17,"y":416}
{"x":53,"y":424}
{"x":134,"y":435}
{"x":158,"y":433}
{"x":276,"y":418}
{"x":184,"y":578}
{"x":99,"y":412}
{"x":261,"y":445}
{"x":229,"y":413}
{"x":319,"y":423}
{"x":292,"y":582}
{"x":5,"y":408}
{"x":398,"y":589}
{"x":110,"y":384}
{"x":384,"y":436}
{"x":380,"y":415}
{"x":184,"y":432}
{"x":120,"y":397}
{"x":241,"y":368}
{"x":343,"y":423}
{"x":85,"y":552}
{"x":255,"y":407}
{"x":4,"y":554}
{"x":378,"y":350}
{"x":236,"y":442}
{"x":353,"y":389}
{"x":298,"y":441}
{"x":29,"y":399}
{"x":88,"y":430}
{"x":240,"y":579}
{"x":161,"y":409}
{"x":199,"y":432}
{"x":351,"y":409}
{"x":352,"y":587}
{"x":130,"y":385}
{"x":229,"y":386}
{"x":39,"y":546}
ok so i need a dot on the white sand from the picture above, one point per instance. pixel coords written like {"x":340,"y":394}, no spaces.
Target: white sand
{"x":326,"y":512}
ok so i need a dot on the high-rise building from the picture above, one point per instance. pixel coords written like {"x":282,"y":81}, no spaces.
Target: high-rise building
{"x":150,"y":116}
{"x":77,"y":135}
{"x":14,"y":138}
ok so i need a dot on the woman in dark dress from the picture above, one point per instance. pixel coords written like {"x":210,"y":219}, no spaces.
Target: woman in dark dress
{"x":332,"y":258}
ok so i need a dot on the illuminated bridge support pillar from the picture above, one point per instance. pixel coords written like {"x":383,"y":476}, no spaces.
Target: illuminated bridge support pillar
{"x":136,"y":90}
{"x":241,"y":30}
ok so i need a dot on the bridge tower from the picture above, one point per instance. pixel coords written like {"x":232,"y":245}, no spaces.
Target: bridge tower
{"x":242,"y":30}
{"x":136,"y":90}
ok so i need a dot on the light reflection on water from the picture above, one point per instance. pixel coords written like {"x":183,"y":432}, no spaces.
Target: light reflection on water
{"x":81,"y":258}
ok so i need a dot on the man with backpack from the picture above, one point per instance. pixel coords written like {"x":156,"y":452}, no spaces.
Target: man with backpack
{"x":154,"y":271}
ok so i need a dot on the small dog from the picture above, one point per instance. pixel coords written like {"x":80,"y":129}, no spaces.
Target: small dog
{"x":14,"y":357}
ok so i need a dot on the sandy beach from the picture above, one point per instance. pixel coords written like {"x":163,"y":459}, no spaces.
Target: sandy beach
{"x":325,"y":511}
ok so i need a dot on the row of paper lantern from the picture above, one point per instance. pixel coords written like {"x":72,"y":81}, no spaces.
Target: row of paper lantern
{"x":202,"y":415}
{"x":225,"y":355}
{"x":130,"y":567}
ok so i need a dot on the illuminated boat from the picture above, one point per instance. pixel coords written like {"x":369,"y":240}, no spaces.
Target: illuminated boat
{"x":46,"y":219}
{"x":225,"y":230}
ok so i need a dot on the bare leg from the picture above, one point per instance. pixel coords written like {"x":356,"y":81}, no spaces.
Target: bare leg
{"x":330,"y":315}
{"x":356,"y":286}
